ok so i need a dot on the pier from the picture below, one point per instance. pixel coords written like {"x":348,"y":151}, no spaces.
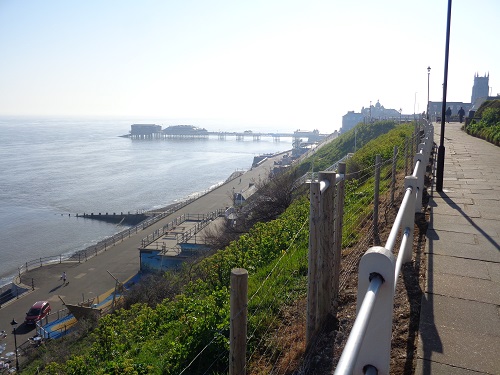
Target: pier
{"x":151,"y":131}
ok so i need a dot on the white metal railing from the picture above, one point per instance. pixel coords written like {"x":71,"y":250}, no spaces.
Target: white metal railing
{"x":204,"y":220}
{"x":367,"y":350}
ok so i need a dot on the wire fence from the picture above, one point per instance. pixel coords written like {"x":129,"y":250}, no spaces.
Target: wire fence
{"x":276,"y":337}
{"x":276,"y":341}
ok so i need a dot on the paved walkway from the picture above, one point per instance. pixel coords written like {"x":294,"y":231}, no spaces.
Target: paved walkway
{"x":91,"y":279}
{"x":460,"y":316}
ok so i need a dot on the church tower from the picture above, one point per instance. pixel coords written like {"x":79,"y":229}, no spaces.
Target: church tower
{"x":480,"y":88}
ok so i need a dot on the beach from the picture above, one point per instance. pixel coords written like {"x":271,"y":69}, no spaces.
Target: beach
{"x":54,"y":169}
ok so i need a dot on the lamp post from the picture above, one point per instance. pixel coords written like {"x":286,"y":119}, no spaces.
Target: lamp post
{"x":428,"y":77}
{"x":14,"y":325}
{"x":414,"y":106}
{"x":440,"y":159}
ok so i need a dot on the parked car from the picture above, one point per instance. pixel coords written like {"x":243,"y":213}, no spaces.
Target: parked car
{"x":38,"y":311}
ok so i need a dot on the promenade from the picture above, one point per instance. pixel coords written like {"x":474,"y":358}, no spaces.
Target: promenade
{"x":90,"y":279}
{"x":460,"y":316}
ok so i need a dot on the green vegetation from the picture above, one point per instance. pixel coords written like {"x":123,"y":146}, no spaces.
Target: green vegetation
{"x":166,"y":337}
{"x":488,"y":125}
{"x":351,"y":141}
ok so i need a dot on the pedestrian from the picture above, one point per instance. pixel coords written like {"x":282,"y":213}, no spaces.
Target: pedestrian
{"x":63,"y":277}
{"x":461,"y":114}
{"x":448,"y":114}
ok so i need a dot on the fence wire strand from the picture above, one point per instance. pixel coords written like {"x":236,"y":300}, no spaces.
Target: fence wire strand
{"x":268,"y":353}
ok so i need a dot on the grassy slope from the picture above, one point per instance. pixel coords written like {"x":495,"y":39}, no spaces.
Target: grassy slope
{"x":165,"y":339}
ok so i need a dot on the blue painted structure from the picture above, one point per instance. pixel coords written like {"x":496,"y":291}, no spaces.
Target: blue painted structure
{"x":155,"y":261}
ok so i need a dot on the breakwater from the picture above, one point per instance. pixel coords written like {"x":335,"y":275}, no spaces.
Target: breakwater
{"x":121,"y":218}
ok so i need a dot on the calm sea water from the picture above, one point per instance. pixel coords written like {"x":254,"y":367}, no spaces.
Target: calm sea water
{"x":52,"y":168}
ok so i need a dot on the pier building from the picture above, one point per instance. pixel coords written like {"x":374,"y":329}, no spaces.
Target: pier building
{"x":145,"y":131}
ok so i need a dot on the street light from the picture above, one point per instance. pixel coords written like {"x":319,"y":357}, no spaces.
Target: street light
{"x":428,"y":76}
{"x":441,"y":148}
{"x":414,"y":106}
{"x":14,"y":325}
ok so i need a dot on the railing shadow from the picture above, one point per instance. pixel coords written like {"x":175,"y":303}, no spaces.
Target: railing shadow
{"x":411,"y":279}
{"x":431,"y":342}
{"x":455,"y":206}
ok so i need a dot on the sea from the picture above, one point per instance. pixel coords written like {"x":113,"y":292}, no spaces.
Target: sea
{"x":54,"y":168}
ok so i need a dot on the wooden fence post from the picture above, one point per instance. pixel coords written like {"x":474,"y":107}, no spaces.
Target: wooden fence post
{"x":326,"y":243}
{"x":406,"y":156}
{"x":376,"y":240}
{"x":417,"y":140}
{"x":337,"y":242}
{"x":393,"y":181}
{"x":238,"y":327}
{"x":312,"y":273}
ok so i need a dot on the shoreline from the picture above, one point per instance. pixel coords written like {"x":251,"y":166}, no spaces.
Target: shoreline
{"x":90,"y":251}
{"x":96,"y":248}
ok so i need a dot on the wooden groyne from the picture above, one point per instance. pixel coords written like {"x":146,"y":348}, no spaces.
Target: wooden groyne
{"x":121,"y":218}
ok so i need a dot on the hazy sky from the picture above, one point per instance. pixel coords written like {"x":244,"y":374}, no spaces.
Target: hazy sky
{"x":288,"y":64}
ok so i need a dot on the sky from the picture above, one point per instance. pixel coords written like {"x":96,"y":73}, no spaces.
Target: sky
{"x":287,"y":64}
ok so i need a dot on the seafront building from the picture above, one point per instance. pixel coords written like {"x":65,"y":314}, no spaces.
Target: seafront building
{"x":372,"y":113}
{"x":480,"y":93}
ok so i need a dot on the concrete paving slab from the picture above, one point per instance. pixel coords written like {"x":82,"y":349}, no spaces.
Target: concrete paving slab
{"x":476,"y":181}
{"x":486,"y":207}
{"x":436,"y":368}
{"x":448,"y":220}
{"x":494,"y":272}
{"x":455,"y":313}
{"x":457,"y":238}
{"x":453,"y":210}
{"x":456,"y":192}
{"x":468,"y":288}
{"x":471,"y":211}
{"x":484,"y":195}
{"x":488,"y":242}
{"x":458,"y":349}
{"x":468,"y":251}
{"x":477,"y":226}
{"x":460,"y":266}
{"x":448,"y":200}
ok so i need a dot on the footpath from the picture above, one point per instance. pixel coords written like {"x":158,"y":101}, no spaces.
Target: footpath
{"x":91,"y":279}
{"x":460,"y":315}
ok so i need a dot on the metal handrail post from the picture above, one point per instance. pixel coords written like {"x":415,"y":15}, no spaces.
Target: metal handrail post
{"x":353,"y":345}
{"x":409,"y":217}
{"x":376,"y":346}
{"x":371,"y":345}
{"x":419,"y":173}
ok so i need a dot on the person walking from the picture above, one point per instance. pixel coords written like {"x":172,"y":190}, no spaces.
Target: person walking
{"x":63,"y":277}
{"x":461,"y":114}
{"x":448,"y":114}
